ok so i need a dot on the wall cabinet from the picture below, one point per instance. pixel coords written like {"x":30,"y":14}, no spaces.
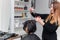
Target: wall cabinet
{"x":21,"y":14}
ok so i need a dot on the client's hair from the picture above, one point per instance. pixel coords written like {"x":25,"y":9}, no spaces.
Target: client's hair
{"x":31,"y":25}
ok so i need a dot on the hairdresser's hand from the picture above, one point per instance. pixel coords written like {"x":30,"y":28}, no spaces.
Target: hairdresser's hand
{"x":38,"y":19}
{"x":31,"y":10}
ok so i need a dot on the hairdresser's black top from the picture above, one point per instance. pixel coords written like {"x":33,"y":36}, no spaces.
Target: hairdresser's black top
{"x":49,"y":30}
{"x":31,"y":37}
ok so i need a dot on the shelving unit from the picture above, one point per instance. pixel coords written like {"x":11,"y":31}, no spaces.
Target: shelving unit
{"x":21,"y":14}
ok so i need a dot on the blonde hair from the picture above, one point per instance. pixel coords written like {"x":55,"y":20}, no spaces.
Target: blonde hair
{"x":56,"y":9}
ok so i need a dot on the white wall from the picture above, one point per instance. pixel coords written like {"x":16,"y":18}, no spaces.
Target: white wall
{"x":5,"y":14}
{"x":42,"y":6}
{"x":12,"y":17}
{"x":0,"y":12}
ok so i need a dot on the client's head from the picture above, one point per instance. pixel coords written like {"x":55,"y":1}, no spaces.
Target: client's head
{"x":29,"y":26}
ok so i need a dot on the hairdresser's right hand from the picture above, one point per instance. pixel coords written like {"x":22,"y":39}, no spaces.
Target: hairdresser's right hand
{"x":38,"y":19}
{"x":31,"y":9}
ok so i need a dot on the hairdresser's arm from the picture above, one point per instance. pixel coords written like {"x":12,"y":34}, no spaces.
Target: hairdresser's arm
{"x":43,"y":16}
{"x":49,"y":27}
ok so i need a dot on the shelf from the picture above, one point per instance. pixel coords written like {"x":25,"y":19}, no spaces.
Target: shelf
{"x":21,"y":1}
{"x":21,"y":14}
{"x":16,"y":0}
{"x":23,"y":18}
{"x":19,"y":6}
{"x":19,"y":10}
{"x":18,"y":27}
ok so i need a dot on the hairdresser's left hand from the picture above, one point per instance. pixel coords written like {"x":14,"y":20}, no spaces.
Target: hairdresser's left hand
{"x":31,"y":9}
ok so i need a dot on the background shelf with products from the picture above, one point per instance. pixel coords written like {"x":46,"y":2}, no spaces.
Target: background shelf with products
{"x":21,"y":13}
{"x":21,"y":8}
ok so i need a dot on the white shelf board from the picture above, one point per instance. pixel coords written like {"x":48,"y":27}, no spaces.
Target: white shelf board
{"x":16,"y":10}
{"x":19,"y":6}
{"x":21,"y":1}
{"x":24,"y":18}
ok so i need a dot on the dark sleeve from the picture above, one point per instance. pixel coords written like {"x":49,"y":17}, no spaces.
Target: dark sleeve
{"x":43,"y":16}
{"x":50,"y":27}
